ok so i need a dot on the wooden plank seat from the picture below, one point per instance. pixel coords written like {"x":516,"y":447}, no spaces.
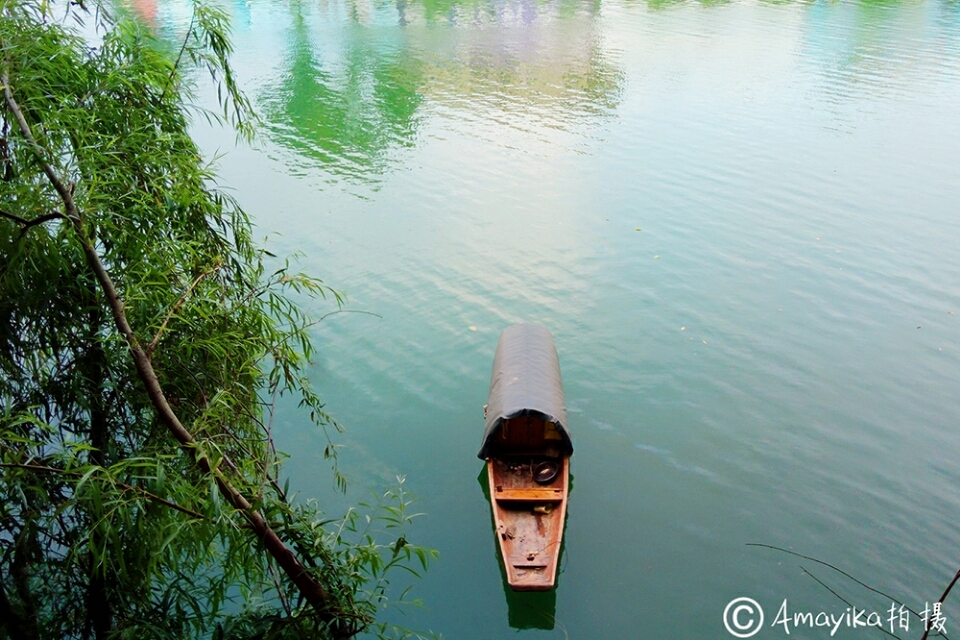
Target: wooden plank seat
{"x":529,"y":495}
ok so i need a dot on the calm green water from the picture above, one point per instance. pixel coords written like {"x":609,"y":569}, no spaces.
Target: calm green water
{"x":741,"y":222}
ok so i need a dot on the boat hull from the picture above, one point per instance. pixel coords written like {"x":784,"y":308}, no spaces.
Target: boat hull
{"x":529,"y":519}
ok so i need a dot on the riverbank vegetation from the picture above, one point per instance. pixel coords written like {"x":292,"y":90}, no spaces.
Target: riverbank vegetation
{"x":143,"y":345}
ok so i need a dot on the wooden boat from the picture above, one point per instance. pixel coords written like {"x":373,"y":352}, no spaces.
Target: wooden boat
{"x":527,"y":449}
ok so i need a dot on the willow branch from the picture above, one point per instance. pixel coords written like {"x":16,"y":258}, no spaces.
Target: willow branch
{"x":26,"y":224}
{"x":122,"y":485}
{"x":63,"y":190}
{"x":176,"y":307}
{"x":183,"y":47}
{"x":308,"y":585}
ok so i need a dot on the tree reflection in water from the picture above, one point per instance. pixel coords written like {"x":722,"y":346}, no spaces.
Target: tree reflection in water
{"x":351,"y":104}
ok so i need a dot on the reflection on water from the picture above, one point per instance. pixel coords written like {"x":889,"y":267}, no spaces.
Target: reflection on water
{"x":146,"y":10}
{"x":877,"y":46}
{"x":345,"y":113}
{"x":357,"y":78}
{"x":503,"y":12}
{"x":530,"y":609}
{"x":349,"y":106}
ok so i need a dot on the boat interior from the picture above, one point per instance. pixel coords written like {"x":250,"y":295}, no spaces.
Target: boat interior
{"x":528,"y":435}
{"x":528,"y":483}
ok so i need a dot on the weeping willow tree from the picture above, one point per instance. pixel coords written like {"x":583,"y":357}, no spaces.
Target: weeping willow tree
{"x":143,"y":342}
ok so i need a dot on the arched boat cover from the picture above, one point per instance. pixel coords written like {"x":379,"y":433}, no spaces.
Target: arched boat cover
{"x":526,"y":380}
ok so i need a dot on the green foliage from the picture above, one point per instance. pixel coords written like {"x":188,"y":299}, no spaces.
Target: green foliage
{"x":108,"y":527}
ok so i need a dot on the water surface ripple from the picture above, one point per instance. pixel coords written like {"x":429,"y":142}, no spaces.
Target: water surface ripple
{"x":739,"y":219}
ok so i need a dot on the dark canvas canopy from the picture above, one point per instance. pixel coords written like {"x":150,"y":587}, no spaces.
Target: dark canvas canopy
{"x":526,"y":380}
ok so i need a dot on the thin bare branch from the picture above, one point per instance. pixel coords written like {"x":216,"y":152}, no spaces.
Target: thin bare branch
{"x":835,"y":568}
{"x":841,"y":598}
{"x":943,"y":597}
{"x":276,"y":584}
{"x":183,"y":47}
{"x":26,"y":224}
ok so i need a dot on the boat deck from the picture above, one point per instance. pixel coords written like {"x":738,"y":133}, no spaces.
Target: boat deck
{"x":529,"y":519}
